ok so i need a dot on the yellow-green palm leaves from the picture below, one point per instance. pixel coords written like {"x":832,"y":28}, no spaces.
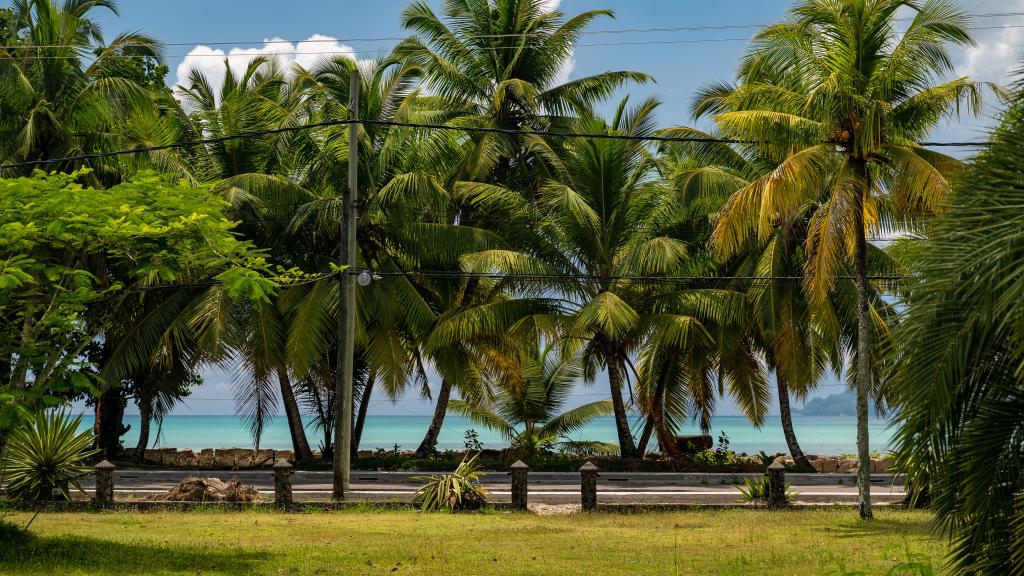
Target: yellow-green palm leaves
{"x":838,"y":98}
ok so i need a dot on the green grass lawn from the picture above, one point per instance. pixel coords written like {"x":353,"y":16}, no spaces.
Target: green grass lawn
{"x":733,"y":542}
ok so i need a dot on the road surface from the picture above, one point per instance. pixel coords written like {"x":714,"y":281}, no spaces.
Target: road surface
{"x":545,"y":487}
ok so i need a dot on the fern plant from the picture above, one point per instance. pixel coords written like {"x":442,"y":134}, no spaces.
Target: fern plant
{"x":47,"y":456}
{"x":460,"y":490}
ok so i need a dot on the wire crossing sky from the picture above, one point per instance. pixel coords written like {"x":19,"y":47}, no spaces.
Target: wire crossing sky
{"x":684,"y":44}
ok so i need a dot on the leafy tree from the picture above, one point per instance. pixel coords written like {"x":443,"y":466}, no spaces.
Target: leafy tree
{"x":838,"y":98}
{"x":142,"y":234}
{"x":957,"y":389}
{"x":532,"y":395}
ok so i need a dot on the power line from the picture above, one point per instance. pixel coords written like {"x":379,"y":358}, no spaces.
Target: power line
{"x":350,"y":52}
{"x":212,"y":283}
{"x":696,"y":281}
{"x":652,"y":30}
{"x":428,"y":126}
{"x":582,"y":277}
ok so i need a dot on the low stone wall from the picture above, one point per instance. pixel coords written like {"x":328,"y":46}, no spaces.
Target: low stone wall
{"x":837,"y":464}
{"x":232,"y":458}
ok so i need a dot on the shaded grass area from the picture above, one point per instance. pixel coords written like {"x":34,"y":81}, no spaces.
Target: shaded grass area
{"x":713,"y":542}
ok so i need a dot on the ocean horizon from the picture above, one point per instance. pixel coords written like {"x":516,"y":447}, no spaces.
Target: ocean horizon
{"x":824,"y":435}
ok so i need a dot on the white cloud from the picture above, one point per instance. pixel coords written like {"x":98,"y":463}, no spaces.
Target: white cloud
{"x":1000,"y":50}
{"x":570,"y":63}
{"x":566,"y":70}
{"x":210,"y":61}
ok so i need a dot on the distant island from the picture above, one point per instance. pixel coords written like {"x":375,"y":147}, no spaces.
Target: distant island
{"x":841,"y":404}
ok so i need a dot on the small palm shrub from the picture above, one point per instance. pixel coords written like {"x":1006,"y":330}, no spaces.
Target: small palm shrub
{"x":756,"y":490}
{"x":47,"y":455}
{"x":460,"y":490}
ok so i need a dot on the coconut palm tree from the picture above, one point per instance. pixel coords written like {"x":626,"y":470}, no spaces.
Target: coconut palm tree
{"x":527,"y":408}
{"x":838,"y":97}
{"x":61,"y":96}
{"x":254,"y":174}
{"x":957,"y":390}
{"x":504,"y":63}
{"x":781,"y":324}
{"x":610,"y":219}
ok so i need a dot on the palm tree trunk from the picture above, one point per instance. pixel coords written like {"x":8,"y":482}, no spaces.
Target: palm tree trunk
{"x":863,"y":344}
{"x":627,"y":449}
{"x":110,"y":411}
{"x":145,"y":419}
{"x":364,"y":407}
{"x":291,"y":409}
{"x":429,"y":443}
{"x":645,"y":438}
{"x":786,"y":415}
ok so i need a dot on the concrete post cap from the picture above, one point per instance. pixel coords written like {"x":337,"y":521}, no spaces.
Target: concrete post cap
{"x":519,"y":465}
{"x":776,"y":466}
{"x":588,"y":467}
{"x":105,"y":465}
{"x":283,"y":465}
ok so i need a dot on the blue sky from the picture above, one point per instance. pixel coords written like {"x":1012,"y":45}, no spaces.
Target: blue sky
{"x":194,"y":30}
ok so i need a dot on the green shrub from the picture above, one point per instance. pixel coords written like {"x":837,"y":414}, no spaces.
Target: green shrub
{"x":46,"y":456}
{"x":460,"y":490}
{"x":756,"y":490}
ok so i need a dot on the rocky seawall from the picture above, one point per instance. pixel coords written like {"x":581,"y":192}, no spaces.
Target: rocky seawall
{"x":247,"y":458}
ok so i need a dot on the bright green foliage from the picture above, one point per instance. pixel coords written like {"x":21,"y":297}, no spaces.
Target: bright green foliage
{"x":958,"y":387}
{"x":73,"y":258}
{"x":757,"y":490}
{"x":531,"y":396}
{"x":460,"y":490}
{"x":48,"y":454}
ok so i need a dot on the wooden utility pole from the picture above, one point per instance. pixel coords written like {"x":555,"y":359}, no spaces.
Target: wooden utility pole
{"x":347,"y":303}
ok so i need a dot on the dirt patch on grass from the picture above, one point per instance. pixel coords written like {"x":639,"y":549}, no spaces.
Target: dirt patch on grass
{"x":554,"y":509}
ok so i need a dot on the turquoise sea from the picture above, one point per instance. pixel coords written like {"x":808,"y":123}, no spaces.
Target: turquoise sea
{"x":817,"y":435}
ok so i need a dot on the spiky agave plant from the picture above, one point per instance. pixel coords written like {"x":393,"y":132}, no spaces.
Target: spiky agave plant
{"x":48,"y":455}
{"x":460,"y":490}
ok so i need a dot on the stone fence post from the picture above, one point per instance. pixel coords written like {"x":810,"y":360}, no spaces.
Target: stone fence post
{"x":776,"y":485}
{"x":588,"y":487}
{"x":519,"y":485}
{"x":104,"y":483}
{"x":283,"y":483}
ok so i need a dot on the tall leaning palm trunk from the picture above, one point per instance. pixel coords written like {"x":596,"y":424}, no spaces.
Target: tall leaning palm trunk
{"x":838,"y":98}
{"x":786,"y":418}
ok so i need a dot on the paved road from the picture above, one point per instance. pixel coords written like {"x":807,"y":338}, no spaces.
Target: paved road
{"x":545,"y":487}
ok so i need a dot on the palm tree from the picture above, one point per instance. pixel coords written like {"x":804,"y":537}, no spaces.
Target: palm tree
{"x":409,"y":220}
{"x":502,"y":62}
{"x":61,"y":96}
{"x":957,"y":390}
{"x":157,"y":391}
{"x":609,"y":219}
{"x":255,"y":175}
{"x":527,"y":409}
{"x":781,"y":323}
{"x":839,"y":98}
